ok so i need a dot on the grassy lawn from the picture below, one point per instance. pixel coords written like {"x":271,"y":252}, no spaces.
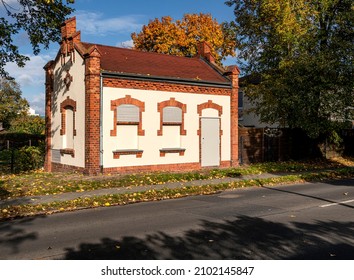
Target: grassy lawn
{"x":42,"y":183}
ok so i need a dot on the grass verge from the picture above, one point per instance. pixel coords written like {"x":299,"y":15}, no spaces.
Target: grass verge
{"x":153,"y":195}
{"x":42,"y":183}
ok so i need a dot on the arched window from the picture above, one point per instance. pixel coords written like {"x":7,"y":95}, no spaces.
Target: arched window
{"x":172,"y":113}
{"x":127,"y":117}
{"x":68,"y":129}
{"x":172,"y":126}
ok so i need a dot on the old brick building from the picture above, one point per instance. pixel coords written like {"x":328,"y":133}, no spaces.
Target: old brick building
{"x":115,"y":110}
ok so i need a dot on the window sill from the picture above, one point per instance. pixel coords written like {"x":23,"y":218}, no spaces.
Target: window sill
{"x":118,"y":153}
{"x":67,"y":152}
{"x":165,"y":151}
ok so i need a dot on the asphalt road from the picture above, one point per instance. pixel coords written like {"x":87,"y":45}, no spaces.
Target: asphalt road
{"x":309,"y":221}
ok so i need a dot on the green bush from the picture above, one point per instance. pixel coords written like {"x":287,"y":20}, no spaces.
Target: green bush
{"x":29,"y":158}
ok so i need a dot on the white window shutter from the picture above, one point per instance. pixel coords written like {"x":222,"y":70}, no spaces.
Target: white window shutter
{"x":128,"y":113}
{"x":172,"y":115}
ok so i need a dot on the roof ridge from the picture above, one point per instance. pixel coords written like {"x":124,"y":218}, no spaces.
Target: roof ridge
{"x":140,"y":51}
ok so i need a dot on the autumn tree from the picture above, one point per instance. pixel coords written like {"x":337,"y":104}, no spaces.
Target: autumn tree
{"x":303,"y":52}
{"x":39,"y":19}
{"x":181,"y":37}
{"x":28,"y":124}
{"x":12,"y":105}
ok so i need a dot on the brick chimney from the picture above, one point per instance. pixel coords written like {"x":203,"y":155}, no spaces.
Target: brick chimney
{"x":204,"y":50}
{"x":69,"y":36}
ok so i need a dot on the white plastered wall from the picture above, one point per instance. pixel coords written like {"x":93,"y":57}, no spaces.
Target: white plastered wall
{"x":150,"y":143}
{"x":77,"y":93}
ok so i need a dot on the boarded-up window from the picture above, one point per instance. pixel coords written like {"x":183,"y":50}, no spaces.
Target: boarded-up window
{"x":128,"y":113}
{"x":127,"y":137}
{"x":69,"y":126}
{"x":171,"y":136}
{"x":172,"y":115}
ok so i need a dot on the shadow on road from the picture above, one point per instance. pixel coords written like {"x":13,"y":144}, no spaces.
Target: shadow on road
{"x":13,"y":234}
{"x":241,"y":238}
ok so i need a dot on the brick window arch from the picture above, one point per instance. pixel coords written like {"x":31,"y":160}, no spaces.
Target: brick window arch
{"x":166,"y":110}
{"x":209,"y":105}
{"x":127,"y":100}
{"x":68,"y":103}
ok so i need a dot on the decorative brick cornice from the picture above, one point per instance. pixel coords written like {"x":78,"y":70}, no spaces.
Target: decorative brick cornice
{"x":171,"y":103}
{"x":161,"y":86}
{"x":127,"y":100}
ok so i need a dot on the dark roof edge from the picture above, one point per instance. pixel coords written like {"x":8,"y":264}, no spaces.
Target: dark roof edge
{"x":165,"y":79}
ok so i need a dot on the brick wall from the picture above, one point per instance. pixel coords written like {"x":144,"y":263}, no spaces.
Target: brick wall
{"x":49,"y":86}
{"x":92,"y":121}
{"x":234,"y":74}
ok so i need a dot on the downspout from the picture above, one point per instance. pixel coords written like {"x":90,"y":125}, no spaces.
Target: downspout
{"x":101,"y":123}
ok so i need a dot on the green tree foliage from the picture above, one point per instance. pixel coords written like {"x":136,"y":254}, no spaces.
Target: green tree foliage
{"x":181,"y":37}
{"x":29,"y":158}
{"x":34,"y":125}
{"x":40,"y":19}
{"x":12,"y":105}
{"x":303,"y":52}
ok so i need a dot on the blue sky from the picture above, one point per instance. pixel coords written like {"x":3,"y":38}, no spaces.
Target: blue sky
{"x":108,"y":22}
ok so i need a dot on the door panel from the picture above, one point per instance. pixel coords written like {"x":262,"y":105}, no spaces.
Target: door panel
{"x":210,"y":142}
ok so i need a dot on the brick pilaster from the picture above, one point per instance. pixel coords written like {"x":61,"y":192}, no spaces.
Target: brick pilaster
{"x":49,"y":87}
{"x":233,"y":73}
{"x":92,"y":111}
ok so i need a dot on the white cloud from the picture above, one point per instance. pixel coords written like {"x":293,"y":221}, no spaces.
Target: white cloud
{"x":96,"y":24}
{"x":37,"y":103}
{"x":31,"y":79}
{"x":129,"y":44}
{"x":30,"y":75}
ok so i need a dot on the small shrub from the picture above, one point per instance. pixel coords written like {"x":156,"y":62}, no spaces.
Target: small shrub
{"x":29,"y":158}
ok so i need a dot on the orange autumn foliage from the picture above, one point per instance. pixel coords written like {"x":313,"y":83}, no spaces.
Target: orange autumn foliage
{"x":181,"y":37}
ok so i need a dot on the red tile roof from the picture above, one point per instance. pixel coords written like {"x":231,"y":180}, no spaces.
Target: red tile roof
{"x":128,"y":61}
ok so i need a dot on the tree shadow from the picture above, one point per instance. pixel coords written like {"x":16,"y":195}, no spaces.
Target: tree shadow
{"x":241,"y":238}
{"x":13,"y":234}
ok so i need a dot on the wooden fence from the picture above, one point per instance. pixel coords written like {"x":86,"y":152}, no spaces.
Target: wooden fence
{"x":268,"y":144}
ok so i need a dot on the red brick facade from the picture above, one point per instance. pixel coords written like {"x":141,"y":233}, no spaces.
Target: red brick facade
{"x":49,"y":88}
{"x":233,"y":74}
{"x":95,"y":80}
{"x":92,"y":109}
